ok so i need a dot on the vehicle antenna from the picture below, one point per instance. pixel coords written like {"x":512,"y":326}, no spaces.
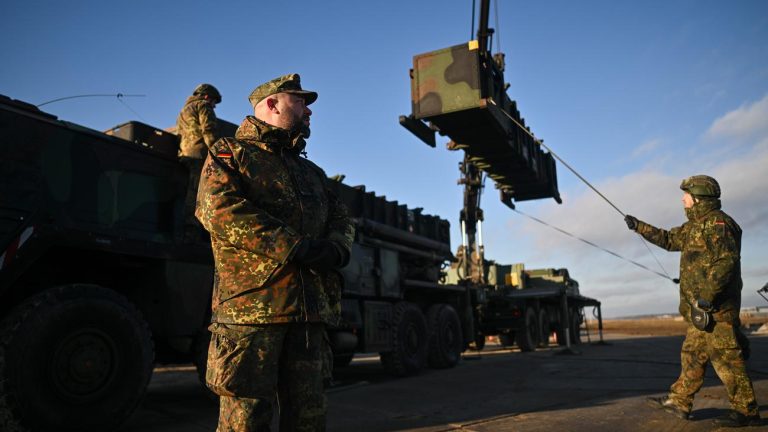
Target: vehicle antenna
{"x":119,"y":96}
{"x":541,"y":143}
{"x":131,"y":109}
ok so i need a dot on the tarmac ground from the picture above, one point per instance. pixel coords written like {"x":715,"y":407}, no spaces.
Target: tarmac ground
{"x":601,"y":388}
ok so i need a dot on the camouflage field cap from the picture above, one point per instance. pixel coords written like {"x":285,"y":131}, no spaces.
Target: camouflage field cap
{"x":701,"y":185}
{"x":208,"y":89}
{"x":290,"y":83}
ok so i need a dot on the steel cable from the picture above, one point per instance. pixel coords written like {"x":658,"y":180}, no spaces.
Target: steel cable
{"x":556,"y":156}
{"x":665,"y":276}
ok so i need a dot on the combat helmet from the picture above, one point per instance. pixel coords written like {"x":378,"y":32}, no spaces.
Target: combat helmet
{"x":210,"y":90}
{"x":701,"y":186}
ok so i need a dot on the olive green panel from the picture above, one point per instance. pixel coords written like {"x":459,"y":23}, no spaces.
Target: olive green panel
{"x":56,"y":164}
{"x":445,"y":81}
{"x":121,"y":194}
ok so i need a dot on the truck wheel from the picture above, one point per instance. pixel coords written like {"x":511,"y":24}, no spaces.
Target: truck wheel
{"x":528,"y":337}
{"x":409,"y":341}
{"x":543,"y":328}
{"x":342,"y":360}
{"x":507,"y":339}
{"x":446,"y":341}
{"x":74,"y":358}
{"x":575,"y":326}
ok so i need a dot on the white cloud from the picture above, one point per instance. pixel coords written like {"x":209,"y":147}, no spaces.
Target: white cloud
{"x":646,"y":147}
{"x":746,"y":121}
{"x":655,"y":197}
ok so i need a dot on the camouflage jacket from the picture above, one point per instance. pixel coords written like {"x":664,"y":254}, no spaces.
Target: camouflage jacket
{"x":196,"y":125}
{"x":259,"y":198}
{"x":710,"y":260}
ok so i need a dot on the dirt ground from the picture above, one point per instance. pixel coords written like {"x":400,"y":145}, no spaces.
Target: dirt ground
{"x":665,"y":326}
{"x":596,"y":387}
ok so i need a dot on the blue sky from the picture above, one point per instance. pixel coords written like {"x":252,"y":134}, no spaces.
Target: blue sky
{"x":634,"y":95}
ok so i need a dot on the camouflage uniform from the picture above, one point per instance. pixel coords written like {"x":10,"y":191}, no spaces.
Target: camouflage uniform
{"x":710,"y":269}
{"x":196,"y":125}
{"x":259,"y":199}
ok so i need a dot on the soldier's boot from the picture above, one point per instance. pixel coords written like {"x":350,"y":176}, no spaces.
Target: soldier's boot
{"x":736,"y":419}
{"x":667,"y":405}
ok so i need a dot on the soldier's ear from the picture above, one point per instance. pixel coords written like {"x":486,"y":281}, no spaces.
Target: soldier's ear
{"x":271,"y":102}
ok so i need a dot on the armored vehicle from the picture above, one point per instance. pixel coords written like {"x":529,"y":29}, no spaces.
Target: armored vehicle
{"x":98,"y":282}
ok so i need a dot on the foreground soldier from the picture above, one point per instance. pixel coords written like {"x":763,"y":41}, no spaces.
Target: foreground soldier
{"x":277,"y":234}
{"x":710,"y":300}
{"x":196,"y":126}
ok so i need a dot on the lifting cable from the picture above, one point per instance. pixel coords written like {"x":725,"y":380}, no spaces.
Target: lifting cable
{"x":541,"y":143}
{"x":665,"y":276}
{"x":496,"y":23}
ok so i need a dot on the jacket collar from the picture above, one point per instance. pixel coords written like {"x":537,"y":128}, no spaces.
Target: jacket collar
{"x":268,"y":137}
{"x":194,"y":98}
{"x":702,"y":207}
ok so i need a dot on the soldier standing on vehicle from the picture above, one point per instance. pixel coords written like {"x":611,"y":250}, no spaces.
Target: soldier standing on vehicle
{"x":710,"y":300}
{"x":278,"y":235}
{"x":196,"y":125}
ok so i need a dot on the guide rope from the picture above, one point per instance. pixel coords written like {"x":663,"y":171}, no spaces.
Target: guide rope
{"x":665,"y":276}
{"x":556,"y":156}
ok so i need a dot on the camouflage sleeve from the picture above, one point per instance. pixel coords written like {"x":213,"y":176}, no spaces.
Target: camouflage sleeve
{"x":224,"y":210}
{"x":670,"y":240}
{"x":724,"y":257}
{"x":340,"y":228}
{"x":208,"y":125}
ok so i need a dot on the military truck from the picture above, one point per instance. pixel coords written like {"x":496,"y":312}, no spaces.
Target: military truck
{"x":98,"y":282}
{"x":526,"y":307}
{"x":460,"y":92}
{"x":393,"y":301}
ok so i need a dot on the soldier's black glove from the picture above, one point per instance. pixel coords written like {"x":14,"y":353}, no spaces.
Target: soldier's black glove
{"x":321,"y":254}
{"x":631,"y":222}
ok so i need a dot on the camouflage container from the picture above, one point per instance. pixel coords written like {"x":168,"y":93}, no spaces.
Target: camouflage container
{"x":461,"y":92}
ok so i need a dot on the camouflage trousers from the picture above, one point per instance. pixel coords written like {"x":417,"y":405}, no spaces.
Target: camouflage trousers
{"x":720,"y":347}
{"x":251,"y":367}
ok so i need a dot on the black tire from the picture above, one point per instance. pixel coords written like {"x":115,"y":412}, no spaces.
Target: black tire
{"x":575,"y":326}
{"x":543,"y":328}
{"x":409,"y":341}
{"x":342,"y":360}
{"x":74,"y":358}
{"x":559,"y":334}
{"x":446,"y":341}
{"x":528,"y":336}
{"x":507,"y":339}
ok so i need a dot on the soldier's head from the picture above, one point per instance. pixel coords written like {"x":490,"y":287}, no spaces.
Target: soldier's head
{"x":209,"y":92}
{"x":283,"y":103}
{"x":699,"y":187}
